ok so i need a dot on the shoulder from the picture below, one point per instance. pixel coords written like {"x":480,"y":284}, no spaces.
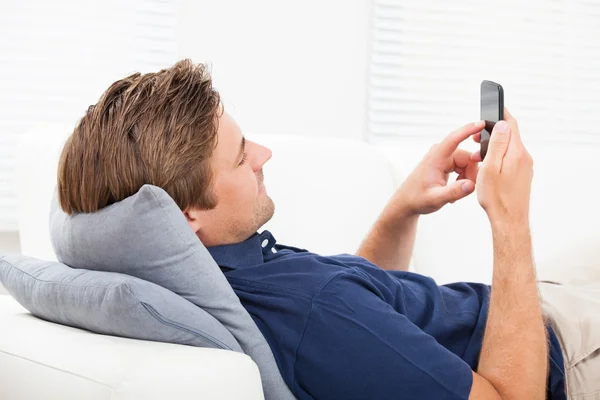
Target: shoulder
{"x":301,"y":274}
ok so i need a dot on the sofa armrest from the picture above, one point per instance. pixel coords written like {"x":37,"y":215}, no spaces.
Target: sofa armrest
{"x":39,"y":357}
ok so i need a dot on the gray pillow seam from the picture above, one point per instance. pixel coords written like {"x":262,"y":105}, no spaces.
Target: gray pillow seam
{"x":166,"y":321}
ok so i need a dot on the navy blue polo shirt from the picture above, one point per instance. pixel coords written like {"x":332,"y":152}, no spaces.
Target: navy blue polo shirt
{"x":342,"y":328}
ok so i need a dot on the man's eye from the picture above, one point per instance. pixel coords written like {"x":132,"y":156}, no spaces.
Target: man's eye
{"x":243,"y":158}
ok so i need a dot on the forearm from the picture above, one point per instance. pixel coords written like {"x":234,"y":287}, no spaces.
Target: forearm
{"x":514,"y":355}
{"x":390,"y":242}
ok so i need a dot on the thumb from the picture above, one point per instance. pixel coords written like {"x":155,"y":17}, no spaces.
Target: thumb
{"x":454,"y":191}
{"x":498,"y":143}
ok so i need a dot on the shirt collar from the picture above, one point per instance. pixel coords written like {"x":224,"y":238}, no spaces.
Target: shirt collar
{"x":249,"y":252}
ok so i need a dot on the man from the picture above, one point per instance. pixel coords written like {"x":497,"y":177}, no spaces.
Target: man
{"x":348,"y":327}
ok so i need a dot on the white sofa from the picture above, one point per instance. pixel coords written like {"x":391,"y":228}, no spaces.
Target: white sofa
{"x":327,"y":194}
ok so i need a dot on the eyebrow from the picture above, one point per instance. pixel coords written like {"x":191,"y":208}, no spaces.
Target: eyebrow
{"x":242,"y":148}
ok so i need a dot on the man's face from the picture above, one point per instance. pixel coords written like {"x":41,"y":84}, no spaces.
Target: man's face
{"x":243,"y":205}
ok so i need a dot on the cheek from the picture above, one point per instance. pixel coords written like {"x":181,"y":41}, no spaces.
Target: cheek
{"x":241,"y":189}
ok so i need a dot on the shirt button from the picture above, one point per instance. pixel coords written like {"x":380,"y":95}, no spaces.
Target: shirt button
{"x":265,"y":243}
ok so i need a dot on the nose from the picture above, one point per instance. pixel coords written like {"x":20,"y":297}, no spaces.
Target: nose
{"x":262,"y":154}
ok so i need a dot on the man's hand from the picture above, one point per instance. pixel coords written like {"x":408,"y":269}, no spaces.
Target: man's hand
{"x":390,"y":242}
{"x":426,"y":189}
{"x":504,"y":179}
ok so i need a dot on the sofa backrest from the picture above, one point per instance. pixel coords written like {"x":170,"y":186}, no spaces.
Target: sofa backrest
{"x":327,"y":192}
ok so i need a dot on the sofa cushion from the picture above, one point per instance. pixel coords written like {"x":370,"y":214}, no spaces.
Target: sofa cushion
{"x":110,"y":303}
{"x":147,"y":236}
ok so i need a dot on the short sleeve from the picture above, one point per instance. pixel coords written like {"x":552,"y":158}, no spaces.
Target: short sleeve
{"x":356,"y":346}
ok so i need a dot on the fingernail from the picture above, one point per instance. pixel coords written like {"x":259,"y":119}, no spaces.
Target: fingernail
{"x":501,"y":127}
{"x":466,"y":187}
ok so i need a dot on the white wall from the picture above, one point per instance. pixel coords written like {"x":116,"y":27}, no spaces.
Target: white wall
{"x":281,"y":67}
{"x":284,"y":66}
{"x":9,"y":242}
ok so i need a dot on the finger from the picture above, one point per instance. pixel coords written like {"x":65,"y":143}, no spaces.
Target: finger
{"x":453,"y":191}
{"x":512,"y":122}
{"x":508,"y":115}
{"x":498,"y":144}
{"x":464,"y":164}
{"x":476,"y":157}
{"x":461,"y":158}
{"x":461,"y":176}
{"x":451,"y":142}
{"x":516,"y":146}
{"x":471,"y":171}
{"x":477,"y":137}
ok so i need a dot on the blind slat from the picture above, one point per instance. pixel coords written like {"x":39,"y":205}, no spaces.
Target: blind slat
{"x":428,"y":58}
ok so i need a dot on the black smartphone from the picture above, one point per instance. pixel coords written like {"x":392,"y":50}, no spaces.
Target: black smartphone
{"x":492,"y":111}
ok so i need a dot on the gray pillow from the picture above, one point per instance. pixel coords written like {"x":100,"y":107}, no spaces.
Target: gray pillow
{"x":109,"y":303}
{"x":147,"y":236}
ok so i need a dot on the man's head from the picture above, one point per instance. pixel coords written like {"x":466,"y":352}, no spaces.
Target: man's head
{"x":168,"y":129}
{"x":243,"y":205}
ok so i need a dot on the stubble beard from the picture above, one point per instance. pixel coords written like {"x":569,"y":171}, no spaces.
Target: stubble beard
{"x":264,"y":211}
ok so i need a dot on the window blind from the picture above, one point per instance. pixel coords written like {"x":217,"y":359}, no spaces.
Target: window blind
{"x":427,"y":59}
{"x":56,"y":58}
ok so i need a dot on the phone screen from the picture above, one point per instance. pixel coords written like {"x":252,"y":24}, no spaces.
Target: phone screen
{"x":492,"y":110}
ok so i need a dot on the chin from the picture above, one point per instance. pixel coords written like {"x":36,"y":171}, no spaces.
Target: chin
{"x":266,"y":210}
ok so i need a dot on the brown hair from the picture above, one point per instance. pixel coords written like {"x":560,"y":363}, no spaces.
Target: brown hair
{"x":157,"y":128}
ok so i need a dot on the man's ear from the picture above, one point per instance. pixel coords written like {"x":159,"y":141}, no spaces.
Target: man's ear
{"x":193,"y":219}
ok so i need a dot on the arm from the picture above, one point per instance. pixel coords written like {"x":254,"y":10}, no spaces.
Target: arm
{"x":514,"y":354}
{"x":390,"y":242}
